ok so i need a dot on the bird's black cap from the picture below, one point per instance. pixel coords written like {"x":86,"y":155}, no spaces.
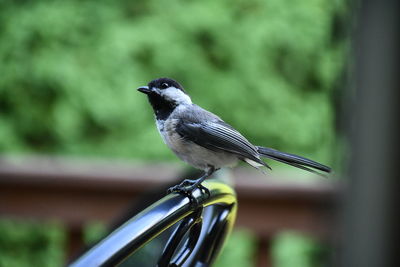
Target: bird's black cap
{"x":163,"y":83}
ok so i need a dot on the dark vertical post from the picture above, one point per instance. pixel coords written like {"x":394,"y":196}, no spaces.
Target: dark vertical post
{"x":263,"y":251}
{"x":75,"y":242}
{"x":372,"y":207}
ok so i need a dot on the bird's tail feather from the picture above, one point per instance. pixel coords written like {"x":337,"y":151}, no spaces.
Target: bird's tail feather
{"x":293,"y":160}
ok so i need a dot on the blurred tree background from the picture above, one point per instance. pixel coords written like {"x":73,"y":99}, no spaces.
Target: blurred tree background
{"x":69,"y":72}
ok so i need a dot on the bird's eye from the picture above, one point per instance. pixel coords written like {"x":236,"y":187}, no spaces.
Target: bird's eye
{"x":164,"y":85}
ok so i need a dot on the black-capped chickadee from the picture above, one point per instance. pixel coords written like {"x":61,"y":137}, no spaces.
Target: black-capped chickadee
{"x":204,"y":140}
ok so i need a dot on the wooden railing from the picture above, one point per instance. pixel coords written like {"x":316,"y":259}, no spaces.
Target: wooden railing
{"x":77,"y":192}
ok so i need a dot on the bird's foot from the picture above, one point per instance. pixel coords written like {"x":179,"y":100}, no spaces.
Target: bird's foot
{"x":187,"y":187}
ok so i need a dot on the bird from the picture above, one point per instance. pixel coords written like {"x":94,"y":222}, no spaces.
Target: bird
{"x":206,"y":142}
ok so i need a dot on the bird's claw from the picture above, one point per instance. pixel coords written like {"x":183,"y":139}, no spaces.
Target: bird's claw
{"x":187,"y":187}
{"x":204,"y":190}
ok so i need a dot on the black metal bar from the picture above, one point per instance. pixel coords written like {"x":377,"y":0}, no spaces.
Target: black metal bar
{"x":188,"y":247}
{"x":185,"y":226}
{"x":211,"y":241}
{"x":157,"y":218}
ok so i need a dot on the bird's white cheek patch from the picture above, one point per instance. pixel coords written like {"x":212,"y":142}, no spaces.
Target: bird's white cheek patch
{"x":176,"y":95}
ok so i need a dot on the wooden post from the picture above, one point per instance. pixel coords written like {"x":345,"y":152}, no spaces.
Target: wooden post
{"x":263,"y":257}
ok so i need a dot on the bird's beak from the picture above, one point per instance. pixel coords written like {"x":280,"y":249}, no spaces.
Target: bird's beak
{"x":144,"y":89}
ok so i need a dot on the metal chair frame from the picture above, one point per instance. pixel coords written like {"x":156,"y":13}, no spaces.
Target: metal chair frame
{"x":203,"y":227}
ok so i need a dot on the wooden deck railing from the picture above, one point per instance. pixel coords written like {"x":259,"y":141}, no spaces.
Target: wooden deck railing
{"x":75,"y":193}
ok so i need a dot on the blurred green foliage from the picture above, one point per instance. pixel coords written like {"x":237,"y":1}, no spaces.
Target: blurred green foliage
{"x":33,"y":244}
{"x":291,"y":249}
{"x":239,"y":250}
{"x":69,"y":70}
{"x":93,"y":232}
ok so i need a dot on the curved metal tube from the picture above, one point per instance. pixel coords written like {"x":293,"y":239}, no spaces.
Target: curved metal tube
{"x":190,"y":225}
{"x":142,"y":228}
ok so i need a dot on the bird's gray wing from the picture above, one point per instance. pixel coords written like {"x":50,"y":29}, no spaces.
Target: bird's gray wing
{"x":217,"y":136}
